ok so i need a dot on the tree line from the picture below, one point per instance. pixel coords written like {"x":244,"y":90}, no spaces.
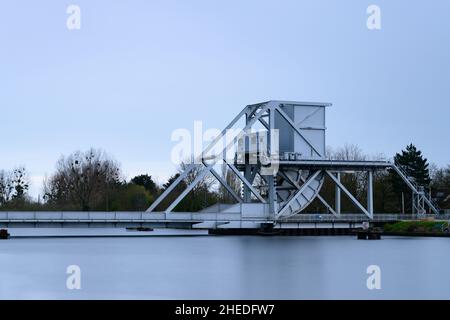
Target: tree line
{"x":93,"y":181}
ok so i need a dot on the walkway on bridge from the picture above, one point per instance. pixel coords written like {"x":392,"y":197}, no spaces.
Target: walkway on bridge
{"x":62,"y":219}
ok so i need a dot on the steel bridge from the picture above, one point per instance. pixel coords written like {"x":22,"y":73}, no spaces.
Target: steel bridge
{"x":281,"y":169}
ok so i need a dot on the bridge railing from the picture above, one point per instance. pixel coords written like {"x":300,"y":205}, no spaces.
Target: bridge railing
{"x":361,"y":218}
{"x":67,"y":216}
{"x":119,"y":216}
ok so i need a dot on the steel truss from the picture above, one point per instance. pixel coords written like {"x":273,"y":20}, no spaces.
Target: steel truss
{"x":291,"y":185}
{"x":253,"y":114}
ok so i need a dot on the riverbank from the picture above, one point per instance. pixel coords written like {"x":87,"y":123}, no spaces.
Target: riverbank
{"x":427,"y":228}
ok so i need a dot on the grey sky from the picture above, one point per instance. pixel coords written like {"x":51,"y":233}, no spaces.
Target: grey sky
{"x":137,"y":70}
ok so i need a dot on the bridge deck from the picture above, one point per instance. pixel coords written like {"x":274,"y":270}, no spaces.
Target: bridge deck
{"x":337,"y":165}
{"x":183,"y":220}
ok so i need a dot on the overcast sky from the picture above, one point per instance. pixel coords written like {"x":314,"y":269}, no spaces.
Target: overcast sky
{"x":137,"y":70}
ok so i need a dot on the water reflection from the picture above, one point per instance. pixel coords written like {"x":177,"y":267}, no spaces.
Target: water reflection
{"x":217,"y":267}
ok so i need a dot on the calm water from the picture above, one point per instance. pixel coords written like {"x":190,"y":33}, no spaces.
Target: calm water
{"x":215,"y":267}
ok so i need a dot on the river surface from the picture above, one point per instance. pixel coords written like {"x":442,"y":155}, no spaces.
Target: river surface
{"x":184,"y":265}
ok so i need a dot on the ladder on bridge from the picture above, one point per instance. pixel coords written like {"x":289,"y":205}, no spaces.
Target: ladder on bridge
{"x":421,"y":198}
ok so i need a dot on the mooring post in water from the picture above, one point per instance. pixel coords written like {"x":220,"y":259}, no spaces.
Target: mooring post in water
{"x":4,"y":234}
{"x":368,"y":233}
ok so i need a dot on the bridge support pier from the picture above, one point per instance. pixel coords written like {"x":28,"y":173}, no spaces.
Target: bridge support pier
{"x":368,"y":235}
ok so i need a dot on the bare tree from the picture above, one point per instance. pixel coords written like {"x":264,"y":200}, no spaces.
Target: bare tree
{"x":13,"y":185}
{"x":6,"y":187}
{"x":355,"y":182}
{"x":83,"y":179}
{"x":349,"y":152}
{"x":234,"y":183}
{"x":20,"y":183}
{"x":206,"y":183}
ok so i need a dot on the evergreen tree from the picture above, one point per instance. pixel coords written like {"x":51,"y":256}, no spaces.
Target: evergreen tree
{"x":147,"y":182}
{"x":414,"y":165}
{"x":416,"y":168}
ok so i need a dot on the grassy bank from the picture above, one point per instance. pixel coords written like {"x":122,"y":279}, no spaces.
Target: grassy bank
{"x":418,"y":227}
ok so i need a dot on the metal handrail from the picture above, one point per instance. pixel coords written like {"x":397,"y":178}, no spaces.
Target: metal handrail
{"x":196,"y":218}
{"x":416,"y":187}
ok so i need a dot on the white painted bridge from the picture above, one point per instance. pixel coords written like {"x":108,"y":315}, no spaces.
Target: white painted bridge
{"x":66,"y":219}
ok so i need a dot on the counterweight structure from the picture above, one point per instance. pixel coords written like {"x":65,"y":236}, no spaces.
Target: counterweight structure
{"x":280,"y":160}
